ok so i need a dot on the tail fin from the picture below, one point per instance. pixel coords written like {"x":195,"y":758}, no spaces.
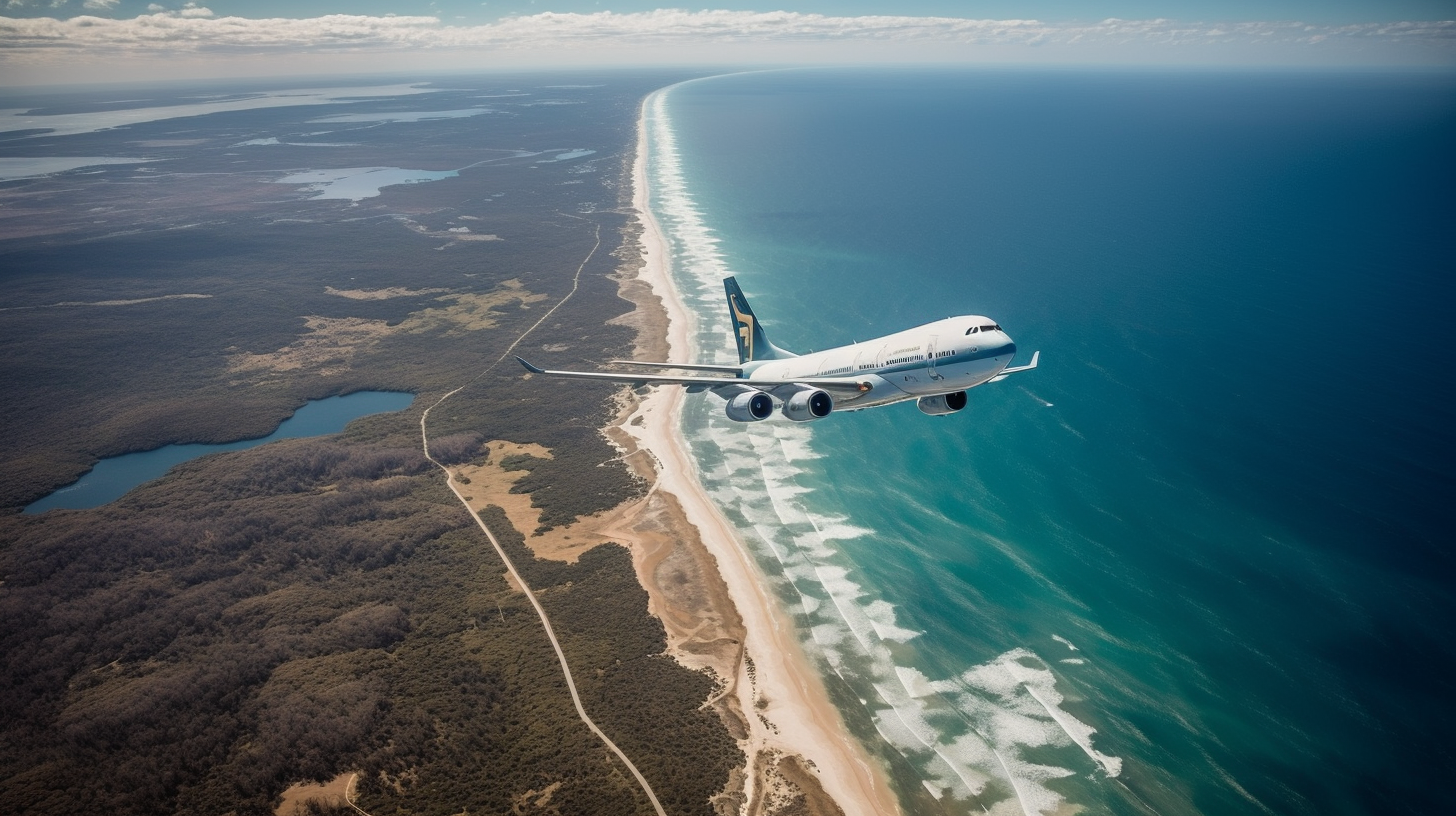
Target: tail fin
{"x":753,"y":344}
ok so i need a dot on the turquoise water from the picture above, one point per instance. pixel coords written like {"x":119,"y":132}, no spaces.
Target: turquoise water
{"x":1199,"y":560}
{"x":114,"y":477}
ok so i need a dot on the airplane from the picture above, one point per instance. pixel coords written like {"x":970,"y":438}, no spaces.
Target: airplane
{"x":933,"y":364}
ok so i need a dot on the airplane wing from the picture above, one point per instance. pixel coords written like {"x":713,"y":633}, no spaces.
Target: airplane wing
{"x":736,"y":371}
{"x":838,"y":386}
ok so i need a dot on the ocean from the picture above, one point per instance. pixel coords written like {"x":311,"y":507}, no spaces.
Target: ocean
{"x":1198,"y":561}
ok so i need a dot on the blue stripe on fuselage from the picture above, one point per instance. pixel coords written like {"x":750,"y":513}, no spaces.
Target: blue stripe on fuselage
{"x":980,"y":353}
{"x":967,"y":355}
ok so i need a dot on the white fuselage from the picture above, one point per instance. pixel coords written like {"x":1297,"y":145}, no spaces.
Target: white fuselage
{"x":938,"y":358}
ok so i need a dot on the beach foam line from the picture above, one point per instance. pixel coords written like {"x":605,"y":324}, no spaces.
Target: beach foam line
{"x":794,"y":697}
{"x":1078,"y":731}
{"x":861,"y":628}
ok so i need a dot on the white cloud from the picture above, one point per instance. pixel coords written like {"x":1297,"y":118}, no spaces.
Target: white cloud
{"x":100,"y":5}
{"x":673,"y":35}
{"x":189,"y":9}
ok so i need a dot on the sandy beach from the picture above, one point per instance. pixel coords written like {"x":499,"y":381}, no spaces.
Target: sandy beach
{"x":793,"y":733}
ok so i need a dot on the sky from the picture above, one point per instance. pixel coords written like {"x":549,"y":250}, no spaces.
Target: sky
{"x":87,"y":41}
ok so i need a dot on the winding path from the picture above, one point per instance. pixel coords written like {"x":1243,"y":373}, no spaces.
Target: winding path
{"x":510,"y":567}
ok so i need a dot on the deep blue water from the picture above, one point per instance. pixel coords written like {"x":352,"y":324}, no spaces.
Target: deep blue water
{"x":114,"y":477}
{"x":1229,"y":484}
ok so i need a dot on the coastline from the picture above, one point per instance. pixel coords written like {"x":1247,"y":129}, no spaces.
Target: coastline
{"x":795,"y":736}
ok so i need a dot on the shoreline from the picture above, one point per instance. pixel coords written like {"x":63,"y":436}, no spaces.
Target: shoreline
{"x":795,"y":732}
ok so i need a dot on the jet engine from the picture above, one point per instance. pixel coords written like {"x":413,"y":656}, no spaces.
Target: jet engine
{"x":808,"y":404}
{"x":750,"y":406}
{"x":942,"y":404}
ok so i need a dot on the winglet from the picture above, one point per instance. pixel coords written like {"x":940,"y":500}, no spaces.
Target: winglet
{"x":1035,"y":356}
{"x":529,"y":367}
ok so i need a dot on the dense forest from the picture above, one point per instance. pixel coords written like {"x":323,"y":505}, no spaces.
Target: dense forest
{"x":316,"y":606}
{"x":310,"y":607}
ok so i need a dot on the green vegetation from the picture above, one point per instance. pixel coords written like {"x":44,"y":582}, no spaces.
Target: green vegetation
{"x":295,"y":611}
{"x":310,"y":607}
{"x":595,"y":606}
{"x":216,"y":633}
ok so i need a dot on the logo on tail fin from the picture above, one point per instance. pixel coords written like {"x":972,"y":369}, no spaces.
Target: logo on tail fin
{"x":745,"y":324}
{"x":748,"y":333}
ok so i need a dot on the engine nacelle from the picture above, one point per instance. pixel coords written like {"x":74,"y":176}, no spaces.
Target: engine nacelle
{"x":808,"y":405}
{"x":750,"y":406}
{"x":942,"y":404}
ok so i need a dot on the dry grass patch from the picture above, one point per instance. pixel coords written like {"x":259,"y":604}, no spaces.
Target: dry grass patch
{"x":330,"y":344}
{"x":333,"y":793}
{"x":490,"y":484}
{"x":380,"y":294}
{"x":453,"y":233}
{"x":469,"y":312}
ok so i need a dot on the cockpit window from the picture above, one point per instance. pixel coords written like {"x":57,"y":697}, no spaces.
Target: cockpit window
{"x":991,"y":327}
{"x":973,"y":330}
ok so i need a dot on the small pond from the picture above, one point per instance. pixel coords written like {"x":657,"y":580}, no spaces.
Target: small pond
{"x":115,"y":477}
